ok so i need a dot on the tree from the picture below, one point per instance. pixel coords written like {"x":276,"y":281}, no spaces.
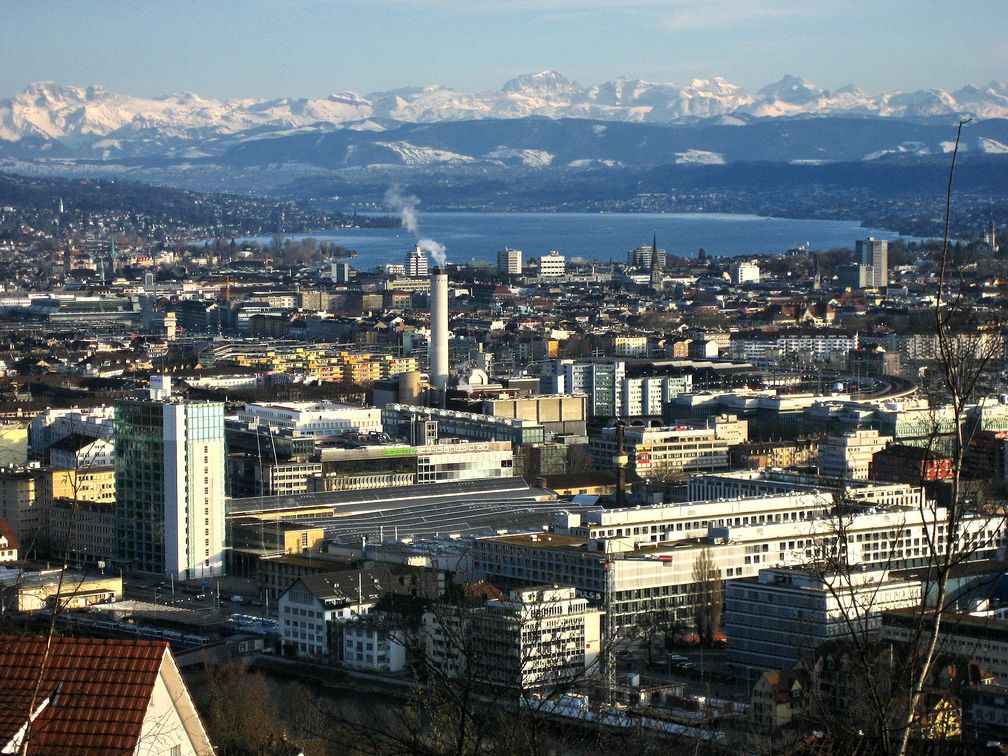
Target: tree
{"x":709,"y":597}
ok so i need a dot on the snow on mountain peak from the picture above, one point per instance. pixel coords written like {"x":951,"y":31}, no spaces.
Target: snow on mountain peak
{"x":81,"y":115}
{"x":541,"y":83}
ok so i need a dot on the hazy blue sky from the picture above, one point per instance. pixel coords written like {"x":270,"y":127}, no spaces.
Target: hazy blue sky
{"x":264,"y":48}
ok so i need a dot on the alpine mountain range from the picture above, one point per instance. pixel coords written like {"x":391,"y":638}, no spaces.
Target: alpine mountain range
{"x":93,"y":121}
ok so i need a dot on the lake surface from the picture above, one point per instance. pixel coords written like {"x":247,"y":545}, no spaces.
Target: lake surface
{"x":599,"y":236}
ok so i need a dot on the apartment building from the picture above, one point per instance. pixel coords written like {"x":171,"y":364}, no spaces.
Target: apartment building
{"x":671,"y":451}
{"x":848,"y":456}
{"x":312,"y":608}
{"x":540,"y":636}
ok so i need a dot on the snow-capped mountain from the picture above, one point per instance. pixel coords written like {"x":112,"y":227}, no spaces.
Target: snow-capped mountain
{"x":103,"y":123}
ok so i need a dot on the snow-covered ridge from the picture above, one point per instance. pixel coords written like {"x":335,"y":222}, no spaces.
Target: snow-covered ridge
{"x":78,"y":115}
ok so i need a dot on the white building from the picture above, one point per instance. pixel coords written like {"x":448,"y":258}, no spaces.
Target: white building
{"x":416,"y":263}
{"x":369,"y":645}
{"x":55,"y":424}
{"x":509,"y":261}
{"x":647,"y":397}
{"x":775,"y":619}
{"x":543,"y":636}
{"x":630,"y":346}
{"x":552,"y":265}
{"x":313,"y":609}
{"x":875,"y":253}
{"x":650,"y":568}
{"x":655,"y":452}
{"x":847,"y":456}
{"x":321,"y":420}
{"x":536,"y":637}
{"x":170,"y":474}
{"x":745,"y":272}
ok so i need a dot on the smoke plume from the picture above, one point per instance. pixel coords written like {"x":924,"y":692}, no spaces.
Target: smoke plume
{"x":406,"y":207}
{"x":435,"y":249}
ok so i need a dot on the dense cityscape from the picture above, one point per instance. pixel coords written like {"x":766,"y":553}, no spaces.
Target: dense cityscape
{"x":267,"y":488}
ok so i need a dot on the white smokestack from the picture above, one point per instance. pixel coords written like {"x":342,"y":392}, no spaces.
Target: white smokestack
{"x":438,"y":346}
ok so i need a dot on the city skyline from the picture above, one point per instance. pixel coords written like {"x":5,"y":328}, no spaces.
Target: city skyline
{"x":310,"y":48}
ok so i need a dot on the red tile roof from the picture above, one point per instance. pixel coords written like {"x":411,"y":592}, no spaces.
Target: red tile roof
{"x":98,"y":692}
{"x":6,"y":529}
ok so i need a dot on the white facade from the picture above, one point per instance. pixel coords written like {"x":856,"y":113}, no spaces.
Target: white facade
{"x":774,"y":620}
{"x":416,"y":263}
{"x":875,"y":252}
{"x":371,"y":647}
{"x":194,"y":473}
{"x":56,"y":424}
{"x":848,"y":456}
{"x":319,"y":419}
{"x":437,"y":348}
{"x":509,"y":262}
{"x":538,"y":637}
{"x":654,"y":452}
{"x":745,"y":272}
{"x":630,"y":346}
{"x":647,"y":397}
{"x":552,"y":265}
{"x":651,"y":572}
{"x":99,"y":453}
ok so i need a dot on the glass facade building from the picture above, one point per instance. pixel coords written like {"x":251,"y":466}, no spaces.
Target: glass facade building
{"x":170,"y":469}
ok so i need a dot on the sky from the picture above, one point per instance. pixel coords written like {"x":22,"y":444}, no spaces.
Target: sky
{"x":310,"y":48}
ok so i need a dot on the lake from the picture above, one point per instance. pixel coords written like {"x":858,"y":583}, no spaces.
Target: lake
{"x":600,"y":236}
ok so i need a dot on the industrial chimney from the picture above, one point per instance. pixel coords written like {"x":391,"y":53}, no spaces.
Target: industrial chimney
{"x":438,"y":347}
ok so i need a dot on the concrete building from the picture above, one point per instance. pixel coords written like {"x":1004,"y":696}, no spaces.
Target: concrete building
{"x":55,"y":424}
{"x":848,"y":456}
{"x":425,"y":425}
{"x":775,"y":619}
{"x":648,"y":570}
{"x":320,"y":420}
{"x":534,"y":637}
{"x":544,"y":636}
{"x":557,"y":413}
{"x":314,"y":606}
{"x":509,"y":262}
{"x":416,"y":263}
{"x":983,"y":640}
{"x":856,"y":276}
{"x":648,"y":397}
{"x":552,"y":265}
{"x":170,"y":473}
{"x":630,"y":346}
{"x":745,"y":272}
{"x":875,"y":253}
{"x":672,"y":450}
{"x":20,"y":502}
{"x":369,"y":644}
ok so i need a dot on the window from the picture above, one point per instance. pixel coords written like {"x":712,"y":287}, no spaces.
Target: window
{"x":176,"y":750}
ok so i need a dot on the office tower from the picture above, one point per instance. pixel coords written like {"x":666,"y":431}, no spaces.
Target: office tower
{"x":875,"y":252}
{"x":340,"y":272}
{"x":552,"y":264}
{"x":416,"y":263}
{"x":509,"y":262}
{"x":170,"y":487}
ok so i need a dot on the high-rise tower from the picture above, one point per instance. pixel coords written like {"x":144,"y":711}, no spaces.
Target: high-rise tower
{"x":875,"y":252}
{"x":169,"y":511}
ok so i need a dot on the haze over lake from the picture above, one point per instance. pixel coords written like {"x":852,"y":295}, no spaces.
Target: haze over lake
{"x":601,"y":236}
